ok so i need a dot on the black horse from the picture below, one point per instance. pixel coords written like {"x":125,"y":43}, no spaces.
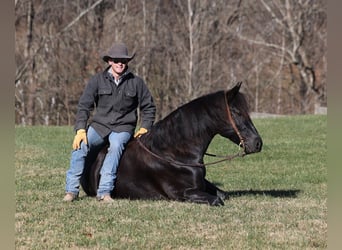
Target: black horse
{"x":167,"y":162}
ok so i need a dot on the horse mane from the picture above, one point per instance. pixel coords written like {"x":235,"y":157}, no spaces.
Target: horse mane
{"x":192,"y":121}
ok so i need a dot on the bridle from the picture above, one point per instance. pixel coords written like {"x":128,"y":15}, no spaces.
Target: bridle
{"x":224,"y":158}
{"x":232,"y":122}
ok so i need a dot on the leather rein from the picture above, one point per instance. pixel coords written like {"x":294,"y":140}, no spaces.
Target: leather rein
{"x":224,"y":158}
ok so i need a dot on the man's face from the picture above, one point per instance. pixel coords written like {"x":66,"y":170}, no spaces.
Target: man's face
{"x":118,"y":65}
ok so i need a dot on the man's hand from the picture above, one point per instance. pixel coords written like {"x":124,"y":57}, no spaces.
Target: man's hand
{"x":140,"y":132}
{"x":81,"y":135}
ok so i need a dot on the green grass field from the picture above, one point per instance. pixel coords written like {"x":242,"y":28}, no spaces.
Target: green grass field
{"x":278,"y":197}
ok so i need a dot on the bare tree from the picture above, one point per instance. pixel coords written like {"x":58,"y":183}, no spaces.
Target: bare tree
{"x":184,"y":49}
{"x":44,"y":75}
{"x":287,"y":29}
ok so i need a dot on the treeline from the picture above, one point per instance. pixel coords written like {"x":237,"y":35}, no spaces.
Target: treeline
{"x":185,"y":48}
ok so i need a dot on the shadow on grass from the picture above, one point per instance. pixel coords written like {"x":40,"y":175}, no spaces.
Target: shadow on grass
{"x":273,"y":193}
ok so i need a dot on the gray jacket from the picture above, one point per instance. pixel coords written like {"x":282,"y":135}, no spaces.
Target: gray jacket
{"x":116,"y":106}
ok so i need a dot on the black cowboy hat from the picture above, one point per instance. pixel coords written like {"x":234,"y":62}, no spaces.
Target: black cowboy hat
{"x":118,"y":50}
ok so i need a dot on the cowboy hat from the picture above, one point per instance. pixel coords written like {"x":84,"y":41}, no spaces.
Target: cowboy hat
{"x":118,"y":50}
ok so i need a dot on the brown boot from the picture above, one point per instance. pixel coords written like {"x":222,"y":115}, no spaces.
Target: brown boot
{"x":105,"y":198}
{"x":69,"y":197}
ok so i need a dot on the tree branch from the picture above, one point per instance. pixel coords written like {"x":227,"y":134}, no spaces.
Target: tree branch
{"x":79,"y":16}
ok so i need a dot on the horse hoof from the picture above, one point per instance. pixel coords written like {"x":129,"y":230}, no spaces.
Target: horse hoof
{"x":217,"y":202}
{"x":223,"y":195}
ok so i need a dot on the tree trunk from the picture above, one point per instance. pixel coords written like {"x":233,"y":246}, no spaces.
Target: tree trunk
{"x":31,"y":85}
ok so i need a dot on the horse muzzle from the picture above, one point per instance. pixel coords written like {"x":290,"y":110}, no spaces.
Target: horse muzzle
{"x":253,"y":145}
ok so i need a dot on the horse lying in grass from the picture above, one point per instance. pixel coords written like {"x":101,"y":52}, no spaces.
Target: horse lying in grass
{"x":167,"y":162}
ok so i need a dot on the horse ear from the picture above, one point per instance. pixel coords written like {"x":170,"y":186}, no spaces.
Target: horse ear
{"x":232,"y":92}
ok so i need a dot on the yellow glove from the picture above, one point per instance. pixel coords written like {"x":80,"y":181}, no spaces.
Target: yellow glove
{"x":81,"y":135}
{"x":140,"y":132}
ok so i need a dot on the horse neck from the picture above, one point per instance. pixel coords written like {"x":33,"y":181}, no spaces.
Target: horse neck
{"x":187,"y":149}
{"x":185,"y":135}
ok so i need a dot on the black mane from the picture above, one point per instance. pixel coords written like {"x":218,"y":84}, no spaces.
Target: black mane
{"x":179,"y":124}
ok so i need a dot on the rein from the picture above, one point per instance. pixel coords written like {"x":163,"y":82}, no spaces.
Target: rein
{"x":225,"y":158}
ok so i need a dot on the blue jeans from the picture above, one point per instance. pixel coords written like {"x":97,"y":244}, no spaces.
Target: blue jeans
{"x":117,"y":143}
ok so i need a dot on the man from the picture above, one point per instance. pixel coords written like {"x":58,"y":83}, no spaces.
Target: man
{"x":116,"y":94}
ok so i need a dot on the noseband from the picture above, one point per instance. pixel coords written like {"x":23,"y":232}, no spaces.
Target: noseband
{"x":225,"y":158}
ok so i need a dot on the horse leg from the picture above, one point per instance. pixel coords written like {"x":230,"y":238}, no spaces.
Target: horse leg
{"x":194,"y":195}
{"x":214,"y":190}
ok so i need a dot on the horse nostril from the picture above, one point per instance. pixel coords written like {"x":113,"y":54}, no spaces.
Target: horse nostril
{"x":258,"y":144}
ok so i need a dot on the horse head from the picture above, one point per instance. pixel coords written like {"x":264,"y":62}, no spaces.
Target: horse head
{"x":240,"y":129}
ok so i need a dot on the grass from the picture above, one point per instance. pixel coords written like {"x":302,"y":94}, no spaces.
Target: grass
{"x":278,"y":197}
